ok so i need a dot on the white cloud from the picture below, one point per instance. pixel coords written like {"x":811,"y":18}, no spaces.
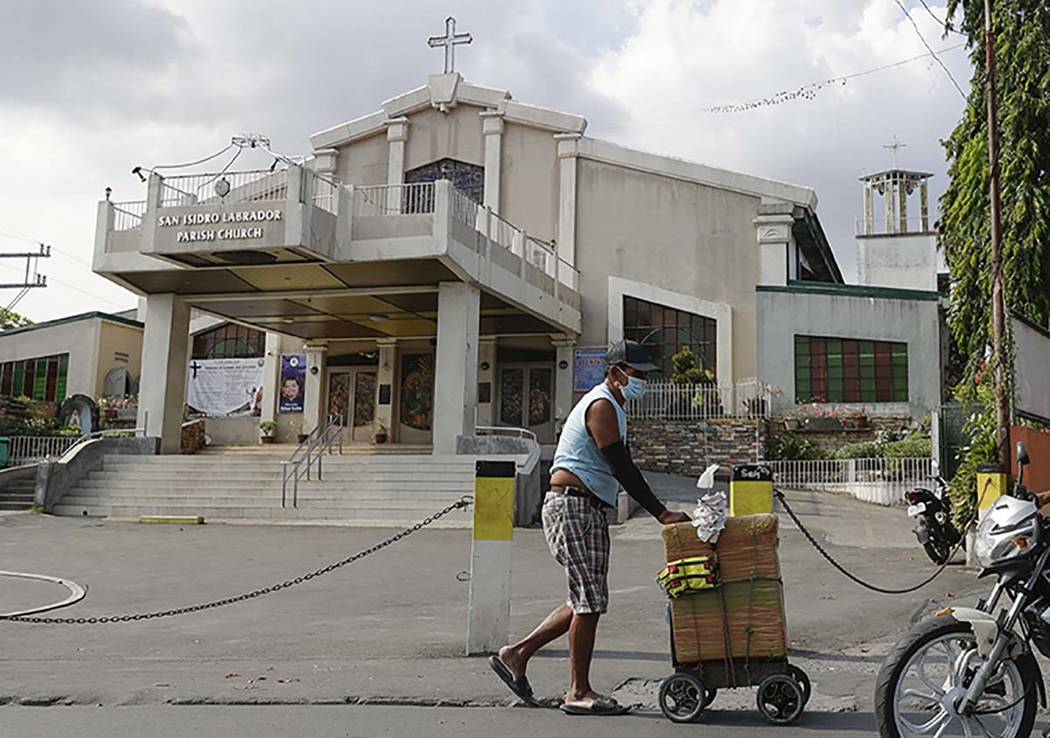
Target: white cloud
{"x":135,"y":82}
{"x":683,"y":56}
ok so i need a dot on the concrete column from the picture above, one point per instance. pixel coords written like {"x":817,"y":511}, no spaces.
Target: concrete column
{"x":776,"y":245}
{"x":326,"y":162}
{"x":165,"y":354}
{"x":924,"y":207}
{"x":492,"y":128}
{"x":386,"y":377}
{"x":456,"y":370}
{"x":486,"y":376}
{"x":563,"y":378}
{"x":271,"y":377}
{"x":567,"y":150}
{"x":891,"y":225}
{"x":396,"y":135}
{"x":869,"y":210}
{"x":902,"y":205}
{"x":316,"y":380}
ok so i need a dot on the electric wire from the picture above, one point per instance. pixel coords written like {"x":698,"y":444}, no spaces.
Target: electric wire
{"x":930,"y":48}
{"x":218,"y":153}
{"x":945,"y":23}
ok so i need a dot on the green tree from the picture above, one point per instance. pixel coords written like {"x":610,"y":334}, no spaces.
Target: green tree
{"x":686,"y":369}
{"x":10,"y":319}
{"x":1022,"y":31}
{"x":1022,"y":38}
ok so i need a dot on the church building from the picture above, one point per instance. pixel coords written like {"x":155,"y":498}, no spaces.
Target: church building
{"x":455,"y":258}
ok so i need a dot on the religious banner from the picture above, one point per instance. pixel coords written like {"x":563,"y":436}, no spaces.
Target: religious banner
{"x":588,"y":368}
{"x":293,"y":383}
{"x":219,"y":387}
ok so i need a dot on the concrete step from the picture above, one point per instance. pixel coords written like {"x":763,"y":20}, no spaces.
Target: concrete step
{"x":329,"y":475}
{"x":374,"y":516}
{"x":436,"y":502}
{"x":342,"y":462}
{"x":240,"y":486}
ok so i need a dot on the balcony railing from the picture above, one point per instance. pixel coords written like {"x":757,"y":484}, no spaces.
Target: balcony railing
{"x":663,"y":400}
{"x":127,"y":216}
{"x":402,"y":199}
{"x":899,"y":227}
{"x":252,"y":185}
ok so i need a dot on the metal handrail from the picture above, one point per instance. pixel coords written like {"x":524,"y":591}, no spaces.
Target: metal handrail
{"x":321,"y":439}
{"x":99,"y":434}
{"x":500,"y":430}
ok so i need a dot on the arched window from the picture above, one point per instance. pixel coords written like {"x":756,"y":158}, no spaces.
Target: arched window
{"x":229,"y":341}
{"x":470,"y":178}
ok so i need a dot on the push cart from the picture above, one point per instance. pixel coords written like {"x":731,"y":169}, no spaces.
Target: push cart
{"x":727,"y":621}
{"x":783,"y":688}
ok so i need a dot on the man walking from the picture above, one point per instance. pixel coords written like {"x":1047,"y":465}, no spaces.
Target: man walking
{"x":591,"y":463}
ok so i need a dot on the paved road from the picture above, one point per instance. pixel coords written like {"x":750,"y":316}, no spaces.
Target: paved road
{"x":400,"y":722}
{"x":392,"y":626}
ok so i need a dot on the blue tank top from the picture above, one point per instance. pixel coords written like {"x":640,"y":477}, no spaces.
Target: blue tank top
{"x":578,"y":454}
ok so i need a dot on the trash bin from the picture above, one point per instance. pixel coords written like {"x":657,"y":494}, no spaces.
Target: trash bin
{"x":5,"y":451}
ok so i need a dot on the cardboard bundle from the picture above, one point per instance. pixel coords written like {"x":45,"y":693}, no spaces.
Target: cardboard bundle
{"x":744,"y":617}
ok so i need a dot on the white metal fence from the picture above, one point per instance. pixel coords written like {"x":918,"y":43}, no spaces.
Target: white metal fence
{"x":128,"y":215}
{"x":31,"y":449}
{"x":882,"y":481}
{"x":403,"y":199}
{"x":668,"y":401}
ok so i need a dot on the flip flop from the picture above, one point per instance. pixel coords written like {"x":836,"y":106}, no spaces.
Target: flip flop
{"x":520,"y":686}
{"x":601,"y":705}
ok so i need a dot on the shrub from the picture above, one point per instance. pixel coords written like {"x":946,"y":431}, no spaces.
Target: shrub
{"x":793,"y":447}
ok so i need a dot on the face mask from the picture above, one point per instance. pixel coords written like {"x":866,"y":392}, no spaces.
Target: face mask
{"x":635,"y":387}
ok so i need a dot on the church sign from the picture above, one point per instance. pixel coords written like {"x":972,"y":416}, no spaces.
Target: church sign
{"x":220,"y":225}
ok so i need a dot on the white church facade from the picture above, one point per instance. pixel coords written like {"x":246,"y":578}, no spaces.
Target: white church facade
{"x":458,"y":259}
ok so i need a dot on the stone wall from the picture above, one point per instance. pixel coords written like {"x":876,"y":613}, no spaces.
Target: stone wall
{"x":831,"y":441}
{"x":690,"y":446}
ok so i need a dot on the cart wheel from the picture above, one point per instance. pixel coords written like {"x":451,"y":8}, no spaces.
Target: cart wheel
{"x":780,"y":699}
{"x":709,"y":696}
{"x":803,"y":681}
{"x":683,"y":697}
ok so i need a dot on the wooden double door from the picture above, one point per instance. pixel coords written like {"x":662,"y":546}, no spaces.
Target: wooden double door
{"x":526,"y":398}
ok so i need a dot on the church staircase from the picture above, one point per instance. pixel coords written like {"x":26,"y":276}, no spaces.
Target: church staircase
{"x":375,"y":490}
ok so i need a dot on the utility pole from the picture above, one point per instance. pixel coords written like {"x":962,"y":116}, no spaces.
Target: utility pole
{"x":32,"y":277}
{"x":1002,"y":394}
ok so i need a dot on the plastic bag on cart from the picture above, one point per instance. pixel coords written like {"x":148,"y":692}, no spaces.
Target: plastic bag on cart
{"x":709,"y":517}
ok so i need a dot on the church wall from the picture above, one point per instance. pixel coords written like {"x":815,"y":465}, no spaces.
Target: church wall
{"x":530,"y":180}
{"x":434,"y":135}
{"x":364,"y":162}
{"x":119,"y":345}
{"x":79,"y":339}
{"x":673,"y":234}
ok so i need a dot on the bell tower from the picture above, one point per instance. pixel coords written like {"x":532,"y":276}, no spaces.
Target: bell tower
{"x":896,"y":245}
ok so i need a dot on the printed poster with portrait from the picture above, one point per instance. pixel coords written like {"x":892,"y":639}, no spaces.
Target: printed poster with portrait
{"x":293,"y":384}
{"x":221,"y":387}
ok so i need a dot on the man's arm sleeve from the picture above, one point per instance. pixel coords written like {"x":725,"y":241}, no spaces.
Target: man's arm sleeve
{"x":619,"y":460}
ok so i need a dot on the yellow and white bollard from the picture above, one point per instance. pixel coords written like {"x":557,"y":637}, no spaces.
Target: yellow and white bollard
{"x":488,"y":612}
{"x":751,"y":490}
{"x":991,"y":485}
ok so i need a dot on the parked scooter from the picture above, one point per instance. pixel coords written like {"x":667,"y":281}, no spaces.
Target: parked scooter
{"x":973,"y":671}
{"x":932,"y":510}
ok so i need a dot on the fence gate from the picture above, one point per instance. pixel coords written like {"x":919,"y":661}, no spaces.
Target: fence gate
{"x":952,"y":418}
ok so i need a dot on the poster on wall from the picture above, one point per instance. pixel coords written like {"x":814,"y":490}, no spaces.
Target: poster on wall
{"x":293,"y":383}
{"x":220,"y":387}
{"x":588,"y":368}
{"x":417,"y":391}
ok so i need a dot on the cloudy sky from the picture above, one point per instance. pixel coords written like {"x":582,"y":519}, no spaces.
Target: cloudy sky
{"x":90,"y":89}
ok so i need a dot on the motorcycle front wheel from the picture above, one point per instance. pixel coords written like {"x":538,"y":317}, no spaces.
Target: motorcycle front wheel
{"x":928,"y":672}
{"x":938,"y":551}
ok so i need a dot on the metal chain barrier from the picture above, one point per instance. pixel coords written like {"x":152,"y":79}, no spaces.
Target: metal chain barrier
{"x":459,"y":504}
{"x":857,"y":580}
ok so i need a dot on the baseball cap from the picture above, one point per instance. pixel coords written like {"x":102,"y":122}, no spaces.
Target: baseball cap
{"x":630,"y":353}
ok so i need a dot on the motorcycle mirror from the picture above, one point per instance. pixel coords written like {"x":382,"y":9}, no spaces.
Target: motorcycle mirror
{"x":1022,"y":454}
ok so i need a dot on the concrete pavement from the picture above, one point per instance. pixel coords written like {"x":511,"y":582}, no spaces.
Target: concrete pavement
{"x":390,"y":629}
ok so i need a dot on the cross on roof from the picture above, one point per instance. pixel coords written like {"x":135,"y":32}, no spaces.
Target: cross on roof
{"x":894,"y":145}
{"x":450,"y":41}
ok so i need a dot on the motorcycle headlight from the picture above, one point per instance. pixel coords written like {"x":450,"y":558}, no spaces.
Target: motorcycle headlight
{"x":996,"y":543}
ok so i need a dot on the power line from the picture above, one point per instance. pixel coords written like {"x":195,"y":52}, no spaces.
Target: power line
{"x":70,"y":286}
{"x":15,"y":235}
{"x":929,"y":48}
{"x":947,"y":26}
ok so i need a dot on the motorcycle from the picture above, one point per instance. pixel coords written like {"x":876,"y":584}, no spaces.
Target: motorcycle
{"x":972,"y":671}
{"x":932,"y":511}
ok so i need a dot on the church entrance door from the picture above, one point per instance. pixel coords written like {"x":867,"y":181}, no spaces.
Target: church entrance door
{"x":352,"y":397}
{"x":526,"y":397}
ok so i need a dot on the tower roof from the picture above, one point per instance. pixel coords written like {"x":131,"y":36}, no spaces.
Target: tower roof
{"x":896,"y":173}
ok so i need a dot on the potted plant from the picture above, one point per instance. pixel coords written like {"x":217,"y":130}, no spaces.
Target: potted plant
{"x":267,"y":429}
{"x":817,"y":417}
{"x":380,"y":436}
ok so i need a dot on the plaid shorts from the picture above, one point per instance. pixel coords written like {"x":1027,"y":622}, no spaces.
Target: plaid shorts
{"x":577,"y":535}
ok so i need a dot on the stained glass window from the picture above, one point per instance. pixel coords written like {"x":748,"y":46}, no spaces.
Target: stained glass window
{"x":850,"y":370}
{"x":229,"y":341}
{"x":39,"y":379}
{"x":470,"y":178}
